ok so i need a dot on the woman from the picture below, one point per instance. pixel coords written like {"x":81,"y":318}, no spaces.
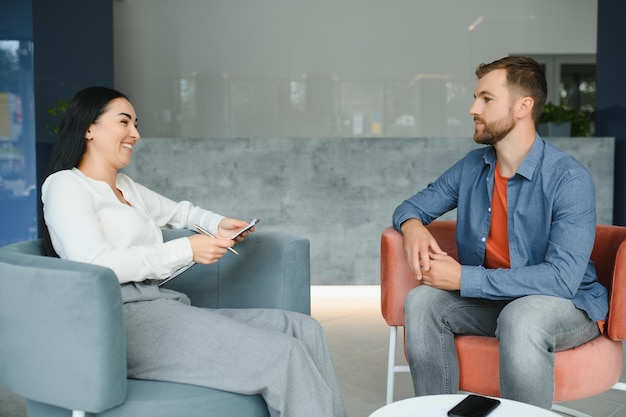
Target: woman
{"x":97,"y":215}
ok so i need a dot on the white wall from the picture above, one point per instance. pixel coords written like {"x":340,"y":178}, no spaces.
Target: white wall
{"x":326,"y":68}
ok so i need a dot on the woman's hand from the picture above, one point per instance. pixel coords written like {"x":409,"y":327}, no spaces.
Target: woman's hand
{"x":208,"y":250}
{"x":228,"y":227}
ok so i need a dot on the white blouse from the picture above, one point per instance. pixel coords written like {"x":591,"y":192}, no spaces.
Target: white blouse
{"x":87,"y":223}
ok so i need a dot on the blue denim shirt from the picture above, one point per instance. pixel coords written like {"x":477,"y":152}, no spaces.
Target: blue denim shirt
{"x":551,"y":221}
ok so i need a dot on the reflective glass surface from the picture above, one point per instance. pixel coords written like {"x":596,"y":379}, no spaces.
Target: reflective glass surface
{"x":18,"y":214}
{"x":326,"y":68}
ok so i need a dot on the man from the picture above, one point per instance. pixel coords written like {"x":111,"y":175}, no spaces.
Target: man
{"x":525,"y":230}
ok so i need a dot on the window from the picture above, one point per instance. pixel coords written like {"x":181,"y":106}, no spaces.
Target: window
{"x":18,"y":218}
{"x":571,"y":81}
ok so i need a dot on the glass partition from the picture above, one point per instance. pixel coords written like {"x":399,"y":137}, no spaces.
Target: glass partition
{"x":326,"y":68}
{"x":18,"y":216}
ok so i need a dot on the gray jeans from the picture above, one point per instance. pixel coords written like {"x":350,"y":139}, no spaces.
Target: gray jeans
{"x":529,"y":330}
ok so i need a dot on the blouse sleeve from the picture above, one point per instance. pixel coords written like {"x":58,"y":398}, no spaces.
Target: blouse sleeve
{"x":168,"y":213}
{"x":88,"y":225}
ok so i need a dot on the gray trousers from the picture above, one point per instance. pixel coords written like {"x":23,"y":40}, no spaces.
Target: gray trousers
{"x":281,"y":355}
{"x":529,"y":330}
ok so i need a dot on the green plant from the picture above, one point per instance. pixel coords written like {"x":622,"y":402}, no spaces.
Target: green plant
{"x":581,"y":124}
{"x":57,"y":112}
{"x":556,"y":114}
{"x":581,"y":121}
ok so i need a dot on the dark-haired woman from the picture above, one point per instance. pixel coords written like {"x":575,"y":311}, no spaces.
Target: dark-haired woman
{"x":97,"y":215}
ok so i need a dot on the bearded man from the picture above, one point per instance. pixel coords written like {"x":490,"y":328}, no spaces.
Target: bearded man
{"x":526,"y":221}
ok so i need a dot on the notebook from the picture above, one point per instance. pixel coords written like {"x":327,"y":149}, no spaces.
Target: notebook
{"x":176,"y":273}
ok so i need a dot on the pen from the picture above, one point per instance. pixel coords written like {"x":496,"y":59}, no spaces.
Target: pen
{"x":206,"y":232}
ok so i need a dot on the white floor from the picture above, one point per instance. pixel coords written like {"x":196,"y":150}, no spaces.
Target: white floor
{"x":359,"y":339}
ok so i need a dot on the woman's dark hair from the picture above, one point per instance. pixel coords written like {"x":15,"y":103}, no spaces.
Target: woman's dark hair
{"x":82,"y":110}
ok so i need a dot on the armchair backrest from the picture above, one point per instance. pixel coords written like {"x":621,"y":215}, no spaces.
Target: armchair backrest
{"x":608,"y":256}
{"x":272,"y":271}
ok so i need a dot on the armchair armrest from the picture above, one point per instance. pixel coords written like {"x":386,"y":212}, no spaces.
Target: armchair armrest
{"x":272,"y":270}
{"x":396,"y":278}
{"x":609,"y":258}
{"x":63,"y":337}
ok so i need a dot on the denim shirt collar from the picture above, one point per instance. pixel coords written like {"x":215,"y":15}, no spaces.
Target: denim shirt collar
{"x":528,"y":165}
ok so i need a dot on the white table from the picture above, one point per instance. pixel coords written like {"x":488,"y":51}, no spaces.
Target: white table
{"x":438,"y":406}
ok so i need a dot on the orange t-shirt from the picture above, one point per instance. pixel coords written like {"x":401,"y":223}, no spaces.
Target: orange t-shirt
{"x":497,"y":251}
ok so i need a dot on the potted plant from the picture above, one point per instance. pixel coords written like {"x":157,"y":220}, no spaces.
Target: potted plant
{"x":560,"y":120}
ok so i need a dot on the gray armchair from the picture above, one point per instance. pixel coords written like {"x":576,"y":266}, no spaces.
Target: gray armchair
{"x":62,"y":337}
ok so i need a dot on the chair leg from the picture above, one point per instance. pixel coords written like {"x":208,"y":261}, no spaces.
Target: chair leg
{"x":569,"y":411}
{"x":392,"y":368}
{"x":391,"y":363}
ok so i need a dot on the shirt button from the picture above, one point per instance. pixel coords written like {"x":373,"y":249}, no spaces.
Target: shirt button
{"x":489,"y":209}
{"x":483,"y":239}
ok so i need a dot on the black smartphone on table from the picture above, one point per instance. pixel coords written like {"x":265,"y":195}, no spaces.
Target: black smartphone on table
{"x":474,"y":406}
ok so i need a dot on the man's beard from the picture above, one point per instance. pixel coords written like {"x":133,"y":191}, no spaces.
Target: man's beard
{"x":494,"y":132}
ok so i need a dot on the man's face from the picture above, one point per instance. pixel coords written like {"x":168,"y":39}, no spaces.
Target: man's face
{"x":492,"y":108}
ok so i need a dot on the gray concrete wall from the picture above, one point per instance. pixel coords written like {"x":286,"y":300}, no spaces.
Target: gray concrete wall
{"x":340,"y":193}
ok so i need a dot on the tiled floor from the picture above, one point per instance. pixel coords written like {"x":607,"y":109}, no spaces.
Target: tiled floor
{"x":359,"y":339}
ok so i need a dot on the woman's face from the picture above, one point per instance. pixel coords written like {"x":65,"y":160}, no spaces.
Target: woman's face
{"x":111,"y":138}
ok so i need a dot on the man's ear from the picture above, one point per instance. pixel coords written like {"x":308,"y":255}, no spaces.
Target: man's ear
{"x":525,"y":107}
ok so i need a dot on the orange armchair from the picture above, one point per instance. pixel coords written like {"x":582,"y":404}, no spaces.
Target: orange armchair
{"x":581,"y":372}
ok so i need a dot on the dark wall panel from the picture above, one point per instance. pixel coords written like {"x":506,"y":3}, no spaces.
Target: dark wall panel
{"x":73,"y":50}
{"x":611,"y":94}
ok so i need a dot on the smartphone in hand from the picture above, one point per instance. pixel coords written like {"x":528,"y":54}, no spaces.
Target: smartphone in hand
{"x":474,"y":406}
{"x":248,"y":227}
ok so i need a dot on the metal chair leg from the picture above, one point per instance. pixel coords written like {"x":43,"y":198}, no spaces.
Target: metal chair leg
{"x":392,"y":368}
